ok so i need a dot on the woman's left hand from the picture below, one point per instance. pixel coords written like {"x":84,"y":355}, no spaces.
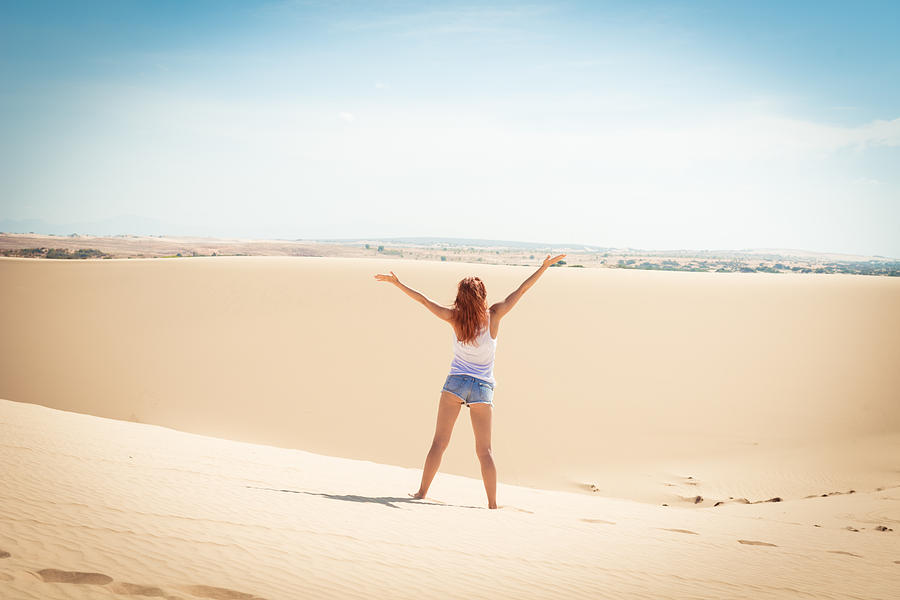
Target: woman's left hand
{"x":389,"y":278}
{"x":552,"y":261}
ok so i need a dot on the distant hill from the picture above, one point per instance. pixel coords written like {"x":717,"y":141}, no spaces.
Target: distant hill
{"x":461,"y":242}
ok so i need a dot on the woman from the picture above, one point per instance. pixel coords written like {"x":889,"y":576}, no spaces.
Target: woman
{"x":471,"y":378}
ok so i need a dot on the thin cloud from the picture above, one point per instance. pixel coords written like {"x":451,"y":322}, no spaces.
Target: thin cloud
{"x":878,"y":133}
{"x":450,"y":21}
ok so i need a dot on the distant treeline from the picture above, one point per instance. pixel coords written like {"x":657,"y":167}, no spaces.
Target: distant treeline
{"x":891,"y":269}
{"x":55,"y":253}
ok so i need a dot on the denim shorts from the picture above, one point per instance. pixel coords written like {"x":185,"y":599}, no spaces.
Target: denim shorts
{"x":470,"y":390}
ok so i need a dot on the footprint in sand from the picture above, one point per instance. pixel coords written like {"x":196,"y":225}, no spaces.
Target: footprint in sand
{"x":680,"y":530}
{"x":4,"y":554}
{"x":134,"y":589}
{"x":530,"y":512}
{"x":6,"y":577}
{"x":598,"y":521}
{"x":755,"y":543}
{"x":57,"y":576}
{"x":216,"y":593}
{"x":842,"y":552}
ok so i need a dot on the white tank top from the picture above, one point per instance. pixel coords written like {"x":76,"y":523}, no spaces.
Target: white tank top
{"x":475,"y":359}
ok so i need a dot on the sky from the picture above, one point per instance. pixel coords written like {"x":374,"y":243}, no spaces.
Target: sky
{"x":656,"y":125}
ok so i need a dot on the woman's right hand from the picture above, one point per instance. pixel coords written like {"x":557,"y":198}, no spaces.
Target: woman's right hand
{"x":389,"y":278}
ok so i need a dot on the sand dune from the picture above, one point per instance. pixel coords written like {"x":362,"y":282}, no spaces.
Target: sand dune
{"x":97,"y":508}
{"x":618,"y":379}
{"x":693,"y":434}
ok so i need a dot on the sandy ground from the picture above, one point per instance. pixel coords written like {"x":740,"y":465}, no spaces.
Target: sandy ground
{"x":618,"y":392}
{"x":97,"y":508}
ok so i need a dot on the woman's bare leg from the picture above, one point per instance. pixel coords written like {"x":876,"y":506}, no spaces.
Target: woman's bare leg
{"x":448,"y":410}
{"x":481,"y":425}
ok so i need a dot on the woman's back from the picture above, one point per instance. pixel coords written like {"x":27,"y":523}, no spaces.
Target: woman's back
{"x":475,"y":359}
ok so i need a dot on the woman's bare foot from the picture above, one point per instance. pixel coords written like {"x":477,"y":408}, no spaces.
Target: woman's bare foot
{"x":417,"y":496}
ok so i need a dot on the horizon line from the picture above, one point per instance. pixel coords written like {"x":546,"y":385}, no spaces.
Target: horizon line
{"x":472,"y":242}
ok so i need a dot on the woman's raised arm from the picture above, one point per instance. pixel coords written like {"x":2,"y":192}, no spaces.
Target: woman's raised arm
{"x":442,"y":312}
{"x":501,"y":308}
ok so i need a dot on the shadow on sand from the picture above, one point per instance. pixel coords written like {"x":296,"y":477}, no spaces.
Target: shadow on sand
{"x":390,"y":501}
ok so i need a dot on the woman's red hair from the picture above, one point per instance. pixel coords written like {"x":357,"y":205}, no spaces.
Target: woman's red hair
{"x":470,"y":309}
